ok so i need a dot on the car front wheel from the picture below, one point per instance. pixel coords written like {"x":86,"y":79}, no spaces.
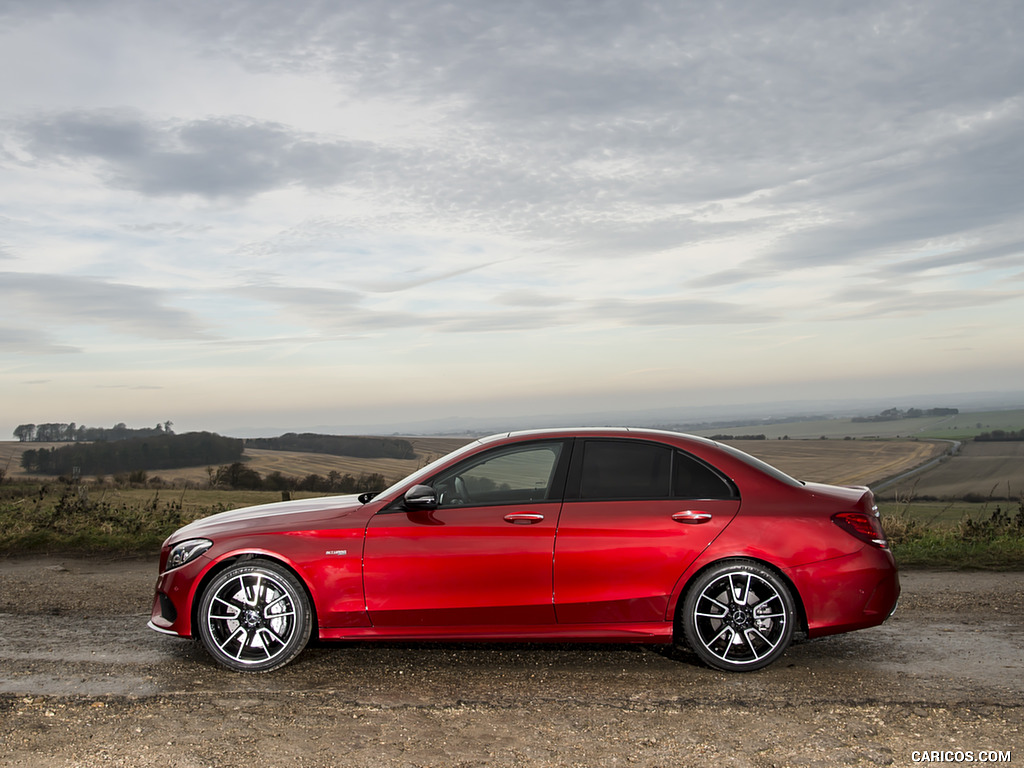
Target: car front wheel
{"x":738,"y":616}
{"x":254,"y":617}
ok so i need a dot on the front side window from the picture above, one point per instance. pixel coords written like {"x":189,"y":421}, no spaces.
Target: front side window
{"x":516,"y":475}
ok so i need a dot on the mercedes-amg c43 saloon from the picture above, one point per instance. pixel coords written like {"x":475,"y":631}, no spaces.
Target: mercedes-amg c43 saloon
{"x":610,"y":535}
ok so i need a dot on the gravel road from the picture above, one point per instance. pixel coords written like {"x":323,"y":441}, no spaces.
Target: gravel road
{"x":84,"y":683}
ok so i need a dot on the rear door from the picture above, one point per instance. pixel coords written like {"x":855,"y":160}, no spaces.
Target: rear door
{"x":636,"y":514}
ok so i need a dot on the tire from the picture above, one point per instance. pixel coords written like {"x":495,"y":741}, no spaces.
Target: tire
{"x":738,"y":616}
{"x":254,"y":617}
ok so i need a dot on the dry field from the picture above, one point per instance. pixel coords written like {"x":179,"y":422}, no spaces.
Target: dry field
{"x":289,"y":463}
{"x":986,"y":469}
{"x":10,"y":454}
{"x":296,"y":464}
{"x":299,"y":464}
{"x":845,"y":462}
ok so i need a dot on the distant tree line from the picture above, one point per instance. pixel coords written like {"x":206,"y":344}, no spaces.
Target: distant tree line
{"x":72,"y":433}
{"x":1000,"y":435}
{"x":240,"y":477}
{"x":738,"y":437}
{"x":162,"y":451}
{"x":337,"y":445}
{"x":895,"y":414}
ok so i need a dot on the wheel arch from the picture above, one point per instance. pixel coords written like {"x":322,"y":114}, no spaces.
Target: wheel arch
{"x":241,"y":557}
{"x":798,"y":602}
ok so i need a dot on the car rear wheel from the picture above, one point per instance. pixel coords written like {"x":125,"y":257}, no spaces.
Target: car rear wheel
{"x":254,"y":617}
{"x":738,"y":616}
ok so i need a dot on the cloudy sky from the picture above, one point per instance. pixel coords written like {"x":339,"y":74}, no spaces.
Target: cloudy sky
{"x":309,"y":213}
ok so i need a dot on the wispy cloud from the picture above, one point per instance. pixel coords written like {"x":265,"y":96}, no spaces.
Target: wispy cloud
{"x":217,"y":157}
{"x":28,"y":341}
{"x":58,"y":300}
{"x":890,"y":302}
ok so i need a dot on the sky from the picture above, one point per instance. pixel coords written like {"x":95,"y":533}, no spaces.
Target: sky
{"x":338,"y":213}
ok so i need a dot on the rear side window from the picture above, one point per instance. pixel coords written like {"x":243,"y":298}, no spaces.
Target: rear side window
{"x":621,"y":470}
{"x":618,"y":469}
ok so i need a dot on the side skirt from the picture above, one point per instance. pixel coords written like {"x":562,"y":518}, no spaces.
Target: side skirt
{"x":653,"y":632}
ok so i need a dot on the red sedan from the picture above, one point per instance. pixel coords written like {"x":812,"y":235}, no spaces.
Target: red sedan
{"x":612,"y":535}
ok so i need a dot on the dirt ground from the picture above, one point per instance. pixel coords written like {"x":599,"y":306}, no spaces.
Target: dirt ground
{"x":84,"y":683}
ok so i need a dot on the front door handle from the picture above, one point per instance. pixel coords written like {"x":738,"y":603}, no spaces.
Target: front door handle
{"x":691,"y":517}
{"x":523,"y":518}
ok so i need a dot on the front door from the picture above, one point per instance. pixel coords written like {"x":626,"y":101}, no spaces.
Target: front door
{"x":483,"y":557}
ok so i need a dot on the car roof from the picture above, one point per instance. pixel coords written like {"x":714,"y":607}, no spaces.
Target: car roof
{"x":638,"y":432}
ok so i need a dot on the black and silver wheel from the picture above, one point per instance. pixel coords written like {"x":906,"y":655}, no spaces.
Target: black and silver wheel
{"x":254,"y":617}
{"x":738,"y":616}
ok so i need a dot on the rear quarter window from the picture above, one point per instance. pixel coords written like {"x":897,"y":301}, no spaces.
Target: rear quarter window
{"x":693,"y":479}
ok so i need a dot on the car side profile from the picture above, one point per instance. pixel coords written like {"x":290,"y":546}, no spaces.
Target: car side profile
{"x":608,"y":535}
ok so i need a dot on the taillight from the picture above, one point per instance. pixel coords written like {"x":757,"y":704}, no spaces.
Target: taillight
{"x":867,"y":528}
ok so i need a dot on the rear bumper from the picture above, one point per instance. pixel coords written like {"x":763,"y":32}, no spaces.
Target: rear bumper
{"x":852,"y":592}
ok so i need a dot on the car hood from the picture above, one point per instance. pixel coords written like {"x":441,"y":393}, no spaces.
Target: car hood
{"x":283,"y":515}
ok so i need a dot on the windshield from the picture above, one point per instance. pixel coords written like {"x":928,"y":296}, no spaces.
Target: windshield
{"x":427,"y":471}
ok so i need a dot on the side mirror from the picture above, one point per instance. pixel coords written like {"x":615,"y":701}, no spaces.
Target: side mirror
{"x":421,"y":497}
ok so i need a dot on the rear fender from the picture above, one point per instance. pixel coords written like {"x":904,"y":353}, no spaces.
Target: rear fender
{"x":703,"y":564}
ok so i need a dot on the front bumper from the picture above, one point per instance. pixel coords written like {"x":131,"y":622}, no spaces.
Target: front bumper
{"x":172,"y":599}
{"x":161,"y":630}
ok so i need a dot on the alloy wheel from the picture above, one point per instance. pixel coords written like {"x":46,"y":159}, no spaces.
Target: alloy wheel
{"x":739,"y":617}
{"x":254,"y":618}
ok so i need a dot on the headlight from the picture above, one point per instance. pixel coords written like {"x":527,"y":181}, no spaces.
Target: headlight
{"x":187,"y":551}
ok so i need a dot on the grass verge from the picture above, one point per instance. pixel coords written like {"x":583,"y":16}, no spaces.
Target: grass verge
{"x":69,"y":520}
{"x":956,"y":535}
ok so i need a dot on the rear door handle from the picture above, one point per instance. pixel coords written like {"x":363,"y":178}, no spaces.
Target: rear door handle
{"x":523,"y":518}
{"x":691,"y":517}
